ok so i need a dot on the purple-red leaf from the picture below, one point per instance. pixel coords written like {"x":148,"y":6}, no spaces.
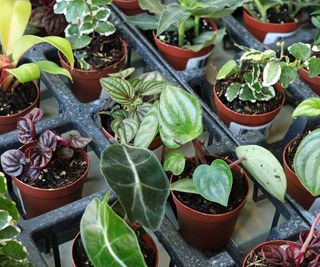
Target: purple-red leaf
{"x":32,"y":172}
{"x":315,"y":242}
{"x":62,"y":141}
{"x":47,"y":141}
{"x":12,"y":162}
{"x":78,"y":141}
{"x":34,"y":115}
{"x":293,"y":252}
{"x":26,"y":130}
{"x":315,"y":262}
{"x":275,"y":255}
{"x":38,"y":157}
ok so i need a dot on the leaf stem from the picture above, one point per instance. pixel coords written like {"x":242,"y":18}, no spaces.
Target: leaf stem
{"x":237,"y":162}
{"x":197,"y":25}
{"x":199,"y":151}
{"x":182,"y":28}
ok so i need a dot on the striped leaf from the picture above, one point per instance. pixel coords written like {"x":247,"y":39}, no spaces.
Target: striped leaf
{"x":309,"y":108}
{"x":125,"y":129}
{"x":137,"y":178}
{"x":141,"y":111}
{"x":121,"y":91}
{"x":174,"y":162}
{"x":306,"y":162}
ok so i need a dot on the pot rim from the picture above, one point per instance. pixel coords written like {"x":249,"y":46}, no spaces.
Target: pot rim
{"x":25,"y":109}
{"x":86,"y":158}
{"x":303,"y":71}
{"x":246,"y":178}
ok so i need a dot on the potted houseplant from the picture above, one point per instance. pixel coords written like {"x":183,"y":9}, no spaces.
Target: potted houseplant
{"x":129,"y":7}
{"x":19,"y":94}
{"x":300,"y":158}
{"x":98,"y":49}
{"x":288,"y":253}
{"x":12,"y":252}
{"x":49,"y":170}
{"x":106,"y":239}
{"x":270,"y":20}
{"x":185,"y":32}
{"x":309,"y":78}
{"x":130,"y":114}
{"x":249,"y":94}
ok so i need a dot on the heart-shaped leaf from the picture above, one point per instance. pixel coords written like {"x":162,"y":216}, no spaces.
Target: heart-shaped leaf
{"x":271,"y":73}
{"x":174,"y":162}
{"x":12,"y":162}
{"x":47,"y":141}
{"x":125,"y":129}
{"x":38,"y":157}
{"x":26,"y":130}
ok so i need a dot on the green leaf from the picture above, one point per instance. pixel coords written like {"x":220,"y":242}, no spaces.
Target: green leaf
{"x":184,"y":185}
{"x":314,"y":67}
{"x":306,"y":162}
{"x":4,"y":219}
{"x":52,"y":68}
{"x":3,"y":183}
{"x":271,"y":73}
{"x":153,"y":6}
{"x":174,"y":162}
{"x":105,"y":28}
{"x":214,"y":182}
{"x":300,"y":51}
{"x":144,"y":21}
{"x":151,"y":88}
{"x":180,"y":116}
{"x":151,"y":76}
{"x":75,"y":10}
{"x":101,"y":2}
{"x":79,"y":42}
{"x":141,"y":111}
{"x":26,"y":72}
{"x":288,"y":75}
{"x":13,"y":20}
{"x":229,"y":68}
{"x":233,"y":91}
{"x":107,"y":238}
{"x":9,"y":206}
{"x":137,"y":177}
{"x":14,"y":250}
{"x":102,"y":14}
{"x":123,"y":74}
{"x":9,"y":232}
{"x":125,"y":129}
{"x":27,"y":41}
{"x":309,"y":108}
{"x":265,"y":168}
{"x":148,"y":128}
{"x":172,"y":15}
{"x":246,"y":94}
{"x":121,"y":91}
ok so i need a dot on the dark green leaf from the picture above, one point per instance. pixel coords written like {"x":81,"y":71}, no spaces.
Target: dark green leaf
{"x":3,"y":183}
{"x":288,"y":75}
{"x":14,"y":250}
{"x":9,"y":206}
{"x":314,"y":67}
{"x":300,"y":51}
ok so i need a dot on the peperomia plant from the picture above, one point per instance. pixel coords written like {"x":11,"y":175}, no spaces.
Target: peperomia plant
{"x":182,"y":16}
{"x":257,"y":71}
{"x":38,"y":153}
{"x":86,"y":19}
{"x":12,"y":252}
{"x":14,"y":16}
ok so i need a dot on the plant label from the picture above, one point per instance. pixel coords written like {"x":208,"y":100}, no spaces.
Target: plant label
{"x":273,"y":37}
{"x":198,"y":62}
{"x":238,"y":129}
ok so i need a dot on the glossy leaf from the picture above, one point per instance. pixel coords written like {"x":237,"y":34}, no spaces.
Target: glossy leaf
{"x":32,"y":172}
{"x":107,"y":238}
{"x":314,"y":67}
{"x":12,"y":162}
{"x":26,"y":72}
{"x":309,"y":108}
{"x":125,"y":129}
{"x":4,"y":219}
{"x":9,"y":206}
{"x":271,"y":73}
{"x":137,"y":177}
{"x":9,"y":232}
{"x":185,"y":185}
{"x":150,"y":88}
{"x":174,"y":162}
{"x":141,"y":111}
{"x":53,"y":68}
{"x":306,"y":162}
{"x":227,"y":69}
{"x":144,"y":21}
{"x":47,"y":141}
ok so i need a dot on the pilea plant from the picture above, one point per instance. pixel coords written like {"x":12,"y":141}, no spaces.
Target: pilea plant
{"x":13,"y":19}
{"x":260,"y":8}
{"x":86,"y":19}
{"x":182,"y":16}
{"x":38,"y":153}
{"x":12,"y":252}
{"x":273,"y":68}
{"x":135,"y":115}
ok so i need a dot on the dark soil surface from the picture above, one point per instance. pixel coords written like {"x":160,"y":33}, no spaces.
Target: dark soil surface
{"x":60,"y":173}
{"x":103,"y":51}
{"x":22,"y":97}
{"x":246,"y":107}
{"x":106,"y":121}
{"x":197,"y":202}
{"x":81,"y":259}
{"x":171,"y":38}
{"x":280,"y":15}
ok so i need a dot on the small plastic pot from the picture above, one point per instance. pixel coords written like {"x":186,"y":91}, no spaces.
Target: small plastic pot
{"x":146,"y":238}
{"x":9,"y":123}
{"x":229,"y":116}
{"x":207,"y":231}
{"x":295,"y":188}
{"x":37,"y":201}
{"x":129,"y":7}
{"x":179,"y":57}
{"x":86,"y":85}
{"x":313,"y":82}
{"x":260,"y":29}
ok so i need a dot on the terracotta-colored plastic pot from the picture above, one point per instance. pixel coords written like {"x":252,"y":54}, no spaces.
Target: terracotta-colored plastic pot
{"x":313,"y":82}
{"x":146,"y":238}
{"x":37,"y":201}
{"x":227,"y":115}
{"x":207,"y":231}
{"x":259,"y":29}
{"x":295,"y":188}
{"x":86,"y":85}
{"x":129,"y":7}
{"x":9,"y":123}
{"x":179,"y":57}
{"x":154,"y":144}
{"x":258,"y":248}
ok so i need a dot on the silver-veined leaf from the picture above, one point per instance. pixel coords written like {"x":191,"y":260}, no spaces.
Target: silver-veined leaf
{"x":125,"y":129}
{"x":174,"y":162}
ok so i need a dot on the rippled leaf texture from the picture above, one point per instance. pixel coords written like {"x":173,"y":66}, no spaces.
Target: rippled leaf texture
{"x":12,"y":162}
{"x":78,"y":141}
{"x":26,"y":130}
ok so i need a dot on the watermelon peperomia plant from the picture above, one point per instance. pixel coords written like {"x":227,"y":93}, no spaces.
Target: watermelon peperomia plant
{"x":253,"y":64}
{"x":12,"y":252}
{"x":14,"y":16}
{"x":86,"y":18}
{"x":183,"y":16}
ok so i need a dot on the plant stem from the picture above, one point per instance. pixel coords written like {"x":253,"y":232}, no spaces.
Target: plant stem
{"x":182,"y":28}
{"x":261,"y":9}
{"x":237,"y":162}
{"x":199,"y":151}
{"x":197,"y":25}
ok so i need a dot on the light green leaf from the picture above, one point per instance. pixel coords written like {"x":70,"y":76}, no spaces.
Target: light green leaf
{"x":151,"y":88}
{"x":174,"y":162}
{"x":105,"y":28}
{"x":314,"y":67}
{"x":300,"y":51}
{"x":79,"y":42}
{"x":309,"y":108}
{"x":138,"y":179}
{"x":288,"y":75}
{"x":125,"y":129}
{"x":184,"y":185}
{"x":141,"y":111}
{"x":153,"y":6}
{"x":265,"y":168}
{"x":107,"y":238}
{"x":271,"y":73}
{"x":14,"y":250}
{"x":144,"y":21}
{"x":26,"y":72}
{"x":122,"y":74}
{"x":246,"y":94}
{"x":233,"y":91}
{"x":229,"y":68}
{"x":53,"y":68}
